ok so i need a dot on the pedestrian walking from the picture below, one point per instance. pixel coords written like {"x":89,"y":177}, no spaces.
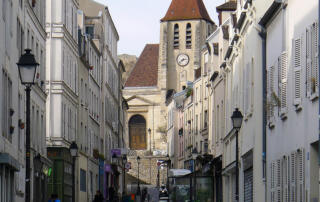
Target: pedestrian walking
{"x":112,"y":194}
{"x":54,"y":198}
{"x":98,"y":197}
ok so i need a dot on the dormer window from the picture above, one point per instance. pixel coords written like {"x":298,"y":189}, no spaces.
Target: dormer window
{"x":188,"y":36}
{"x":176,"y":37}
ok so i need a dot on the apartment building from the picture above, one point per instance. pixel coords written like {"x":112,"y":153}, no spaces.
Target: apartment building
{"x":22,"y":26}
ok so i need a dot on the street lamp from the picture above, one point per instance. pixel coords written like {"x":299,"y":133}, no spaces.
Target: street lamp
{"x":27,"y":67}
{"x":124,"y":162}
{"x":138,"y":191}
{"x":194,"y":158}
{"x":149,"y":131}
{"x":236,"y":123}
{"x":74,"y":153}
{"x":168,"y":167}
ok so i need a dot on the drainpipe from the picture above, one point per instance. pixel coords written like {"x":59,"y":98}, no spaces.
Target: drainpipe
{"x":318,"y":90}
{"x":263,"y":36}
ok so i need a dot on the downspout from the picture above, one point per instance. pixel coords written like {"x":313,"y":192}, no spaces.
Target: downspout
{"x":319,"y":85}
{"x":263,"y":36}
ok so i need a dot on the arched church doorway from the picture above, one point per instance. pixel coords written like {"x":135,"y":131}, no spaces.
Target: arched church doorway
{"x":137,"y":133}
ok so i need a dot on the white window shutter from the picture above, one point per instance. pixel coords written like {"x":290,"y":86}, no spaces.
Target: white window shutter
{"x":293,"y":176}
{"x":283,"y":70}
{"x":314,"y":55}
{"x":285,"y":179}
{"x":301,"y":176}
{"x":278,"y":181}
{"x":272,"y":91}
{"x":272,"y":182}
{"x":297,"y":47}
{"x":269,"y":104}
{"x":308,"y":62}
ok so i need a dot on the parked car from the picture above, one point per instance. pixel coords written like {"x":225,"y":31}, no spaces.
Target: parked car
{"x":163,"y":191}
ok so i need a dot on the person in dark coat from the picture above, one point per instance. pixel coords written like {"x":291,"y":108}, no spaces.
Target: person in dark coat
{"x":54,"y":198}
{"x":112,"y":194}
{"x":98,"y":197}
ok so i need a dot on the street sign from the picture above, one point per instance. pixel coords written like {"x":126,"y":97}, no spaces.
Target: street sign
{"x":128,"y":165}
{"x":116,"y":152}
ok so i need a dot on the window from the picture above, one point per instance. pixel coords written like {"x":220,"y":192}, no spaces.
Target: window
{"x":83,"y":180}
{"x":247,"y":87}
{"x":188,"y":36}
{"x":205,"y":146}
{"x":312,"y":61}
{"x":90,"y":31}
{"x":271,"y":94}
{"x":176,"y":37}
{"x":19,"y":37}
{"x":4,"y":8}
{"x":20,"y":114}
{"x":283,"y":68}
{"x":197,"y":124}
{"x":6,"y":106}
{"x":288,"y":177}
{"x":297,"y":70}
{"x":205,"y":119}
{"x":206,"y":65}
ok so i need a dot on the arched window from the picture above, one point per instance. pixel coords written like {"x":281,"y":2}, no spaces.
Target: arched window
{"x":176,"y":36}
{"x":188,"y":36}
{"x":137,"y":133}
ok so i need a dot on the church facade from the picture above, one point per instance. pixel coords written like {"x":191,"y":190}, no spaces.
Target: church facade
{"x":162,"y":70}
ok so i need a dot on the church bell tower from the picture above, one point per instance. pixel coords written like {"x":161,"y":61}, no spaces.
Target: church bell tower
{"x":183,"y":32}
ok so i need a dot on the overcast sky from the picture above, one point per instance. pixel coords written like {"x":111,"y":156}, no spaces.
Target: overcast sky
{"x":138,"y":21}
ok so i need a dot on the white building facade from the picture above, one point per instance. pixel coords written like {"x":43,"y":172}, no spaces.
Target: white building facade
{"x":291,"y":45}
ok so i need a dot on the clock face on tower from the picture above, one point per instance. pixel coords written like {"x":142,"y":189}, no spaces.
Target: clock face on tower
{"x":183,"y":59}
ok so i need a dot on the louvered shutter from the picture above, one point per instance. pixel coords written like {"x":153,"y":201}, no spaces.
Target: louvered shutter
{"x":272,"y":91}
{"x":293,"y":176}
{"x":308,"y":62}
{"x":301,"y":176}
{"x":283,"y":69}
{"x":297,"y":47}
{"x":269,"y":104}
{"x":314,"y":55}
{"x":272,"y":182}
{"x":278,"y":181}
{"x":285,"y":179}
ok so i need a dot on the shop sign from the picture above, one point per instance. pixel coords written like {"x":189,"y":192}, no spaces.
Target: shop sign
{"x":107,"y":168}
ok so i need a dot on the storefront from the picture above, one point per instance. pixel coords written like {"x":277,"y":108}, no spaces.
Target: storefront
{"x":60,"y":181}
{"x":8,"y":166}
{"x":41,"y":167}
{"x":107,"y":174}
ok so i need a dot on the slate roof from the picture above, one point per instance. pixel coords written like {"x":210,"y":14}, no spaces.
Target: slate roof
{"x":228,"y":6}
{"x":145,"y":72}
{"x":186,"y":10}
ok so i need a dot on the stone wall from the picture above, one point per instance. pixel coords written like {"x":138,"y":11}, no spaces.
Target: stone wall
{"x":148,"y":168}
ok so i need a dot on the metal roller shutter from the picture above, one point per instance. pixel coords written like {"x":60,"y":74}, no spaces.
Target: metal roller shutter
{"x":248,"y":185}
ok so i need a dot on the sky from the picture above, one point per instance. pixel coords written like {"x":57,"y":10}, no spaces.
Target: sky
{"x":138,"y":21}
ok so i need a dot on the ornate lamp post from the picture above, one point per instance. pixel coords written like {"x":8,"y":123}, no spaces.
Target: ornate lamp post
{"x":74,"y":153}
{"x":168,"y":167}
{"x":236,"y":122}
{"x":27,"y":67}
{"x":149,"y":131}
{"x":124,"y":162}
{"x":194,"y":158}
{"x":138,"y":191}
